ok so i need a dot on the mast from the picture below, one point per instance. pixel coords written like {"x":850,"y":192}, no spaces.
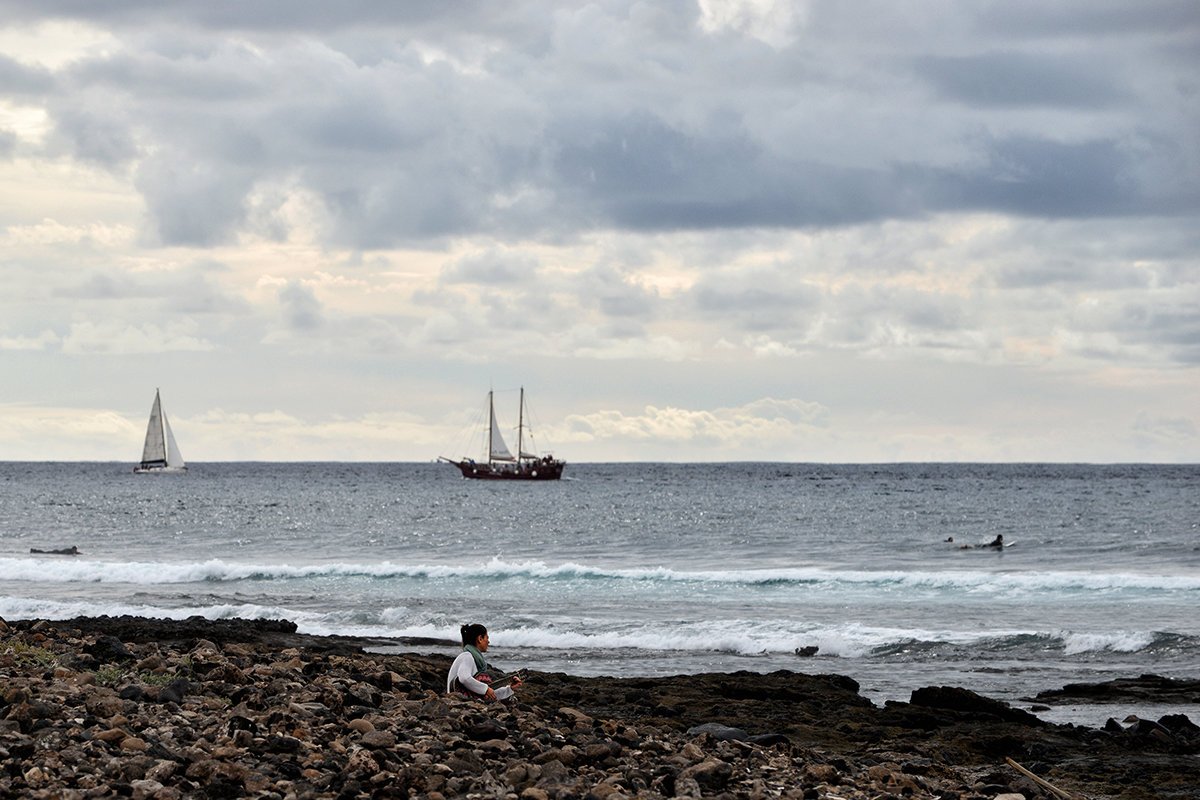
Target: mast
{"x":520,"y":427}
{"x":491,"y":424}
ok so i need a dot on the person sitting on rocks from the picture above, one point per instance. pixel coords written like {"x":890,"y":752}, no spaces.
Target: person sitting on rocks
{"x":468,"y":674}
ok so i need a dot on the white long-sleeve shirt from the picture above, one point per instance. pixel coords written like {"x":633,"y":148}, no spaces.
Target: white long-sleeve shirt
{"x":463,"y":669}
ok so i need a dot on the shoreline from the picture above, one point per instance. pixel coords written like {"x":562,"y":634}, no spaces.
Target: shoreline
{"x":169,"y":708}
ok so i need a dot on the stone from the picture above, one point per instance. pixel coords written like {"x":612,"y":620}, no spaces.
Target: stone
{"x":719,"y":732}
{"x":711,"y":774}
{"x":820,"y":773}
{"x":108,"y":649}
{"x":361,"y":725}
{"x":378,"y":740}
{"x":957,"y":699}
{"x":145,"y":789}
{"x":174,"y":691}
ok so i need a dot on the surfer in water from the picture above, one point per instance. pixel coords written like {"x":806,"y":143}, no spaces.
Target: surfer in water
{"x":65,"y":551}
{"x":468,"y":674}
{"x":997,"y":543}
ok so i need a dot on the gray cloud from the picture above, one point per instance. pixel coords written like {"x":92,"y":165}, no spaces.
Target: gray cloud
{"x":195,"y":203}
{"x":1021,"y":79}
{"x":542,"y":130}
{"x":609,"y":290}
{"x":185,"y":293}
{"x":96,"y":135}
{"x":269,"y":15}
{"x":302,"y":311}
{"x":1041,"y":177}
{"x":20,"y":80}
{"x":492,"y":268}
{"x":758,"y":300}
{"x":641,"y":173}
{"x":1079,"y":272}
{"x":1030,"y":18}
{"x":99,"y":286}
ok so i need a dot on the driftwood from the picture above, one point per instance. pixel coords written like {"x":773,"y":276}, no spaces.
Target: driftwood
{"x":1065,"y":795}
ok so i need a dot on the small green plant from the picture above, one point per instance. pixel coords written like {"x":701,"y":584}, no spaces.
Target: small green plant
{"x":30,"y":655}
{"x":107,"y":676}
{"x":156,"y":678}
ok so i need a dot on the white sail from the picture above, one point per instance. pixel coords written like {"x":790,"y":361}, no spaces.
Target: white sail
{"x":174,"y":457}
{"x":499,"y":450}
{"x":160,"y":452}
{"x":155,"y":449}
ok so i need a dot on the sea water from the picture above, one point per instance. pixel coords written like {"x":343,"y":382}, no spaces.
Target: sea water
{"x":651,"y":569}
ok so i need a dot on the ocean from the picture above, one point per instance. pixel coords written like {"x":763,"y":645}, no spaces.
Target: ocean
{"x":652,"y":569}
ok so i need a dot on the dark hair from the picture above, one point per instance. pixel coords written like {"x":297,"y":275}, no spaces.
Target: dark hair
{"x":471,"y":633}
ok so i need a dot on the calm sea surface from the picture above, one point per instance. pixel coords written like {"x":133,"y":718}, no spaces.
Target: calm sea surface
{"x":651,"y":569}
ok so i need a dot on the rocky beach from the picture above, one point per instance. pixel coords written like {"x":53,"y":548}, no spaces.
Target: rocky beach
{"x":144,"y":708}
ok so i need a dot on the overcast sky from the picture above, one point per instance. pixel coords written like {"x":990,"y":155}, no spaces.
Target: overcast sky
{"x":694,"y":230}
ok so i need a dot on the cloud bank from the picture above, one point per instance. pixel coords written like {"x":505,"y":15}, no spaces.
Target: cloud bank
{"x":663,"y":217}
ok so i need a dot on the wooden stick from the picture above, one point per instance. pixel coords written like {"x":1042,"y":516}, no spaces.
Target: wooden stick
{"x":1041,"y":782}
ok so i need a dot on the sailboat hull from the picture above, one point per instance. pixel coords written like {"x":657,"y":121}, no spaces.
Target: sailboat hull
{"x":528,"y":471}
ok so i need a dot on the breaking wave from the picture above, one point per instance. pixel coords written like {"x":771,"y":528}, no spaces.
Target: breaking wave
{"x":79,"y":570}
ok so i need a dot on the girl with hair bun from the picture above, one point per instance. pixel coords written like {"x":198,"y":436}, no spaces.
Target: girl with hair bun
{"x":468,"y":674}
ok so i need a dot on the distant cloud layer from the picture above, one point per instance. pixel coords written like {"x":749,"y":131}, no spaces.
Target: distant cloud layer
{"x":657,"y":213}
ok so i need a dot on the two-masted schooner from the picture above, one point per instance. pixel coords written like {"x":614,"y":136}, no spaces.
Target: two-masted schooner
{"x":498,"y":463}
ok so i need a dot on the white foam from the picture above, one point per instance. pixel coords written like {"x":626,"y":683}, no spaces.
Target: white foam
{"x":28,"y":608}
{"x":1116,"y":642}
{"x":80,"y":570}
{"x":731,"y":636}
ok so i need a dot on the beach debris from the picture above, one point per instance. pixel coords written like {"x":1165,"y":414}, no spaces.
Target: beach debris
{"x":1045,"y":784}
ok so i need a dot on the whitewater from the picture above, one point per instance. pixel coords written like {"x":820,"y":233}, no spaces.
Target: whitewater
{"x":637,"y":569}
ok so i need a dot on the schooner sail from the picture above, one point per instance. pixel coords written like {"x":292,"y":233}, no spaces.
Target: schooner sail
{"x":161,"y":452}
{"x":499,"y":462}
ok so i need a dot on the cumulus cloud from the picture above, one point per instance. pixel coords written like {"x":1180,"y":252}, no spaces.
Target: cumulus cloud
{"x":492,"y":268}
{"x":757,"y":423}
{"x":41,"y":341}
{"x":42,"y":432}
{"x":93,"y":338}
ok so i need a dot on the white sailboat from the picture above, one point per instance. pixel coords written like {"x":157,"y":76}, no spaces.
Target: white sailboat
{"x":160,"y":453}
{"x":500,"y":464}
